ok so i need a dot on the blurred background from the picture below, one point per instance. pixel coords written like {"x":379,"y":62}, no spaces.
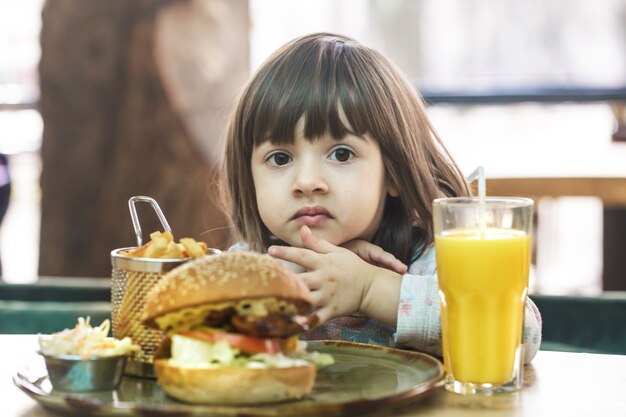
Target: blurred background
{"x":103,"y":100}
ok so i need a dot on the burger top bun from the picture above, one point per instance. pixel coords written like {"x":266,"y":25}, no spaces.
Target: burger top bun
{"x":232,"y":276}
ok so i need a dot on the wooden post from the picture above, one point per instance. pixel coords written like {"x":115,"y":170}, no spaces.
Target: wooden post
{"x":134,"y":98}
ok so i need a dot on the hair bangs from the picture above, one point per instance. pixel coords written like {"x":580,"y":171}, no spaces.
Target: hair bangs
{"x":312,"y":92}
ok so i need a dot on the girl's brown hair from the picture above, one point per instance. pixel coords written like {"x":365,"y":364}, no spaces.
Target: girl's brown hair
{"x":329,"y":79}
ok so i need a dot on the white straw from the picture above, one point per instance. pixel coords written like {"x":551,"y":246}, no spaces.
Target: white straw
{"x":479,"y":173}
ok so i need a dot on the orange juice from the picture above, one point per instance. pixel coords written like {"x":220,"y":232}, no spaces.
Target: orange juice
{"x":483,"y":281}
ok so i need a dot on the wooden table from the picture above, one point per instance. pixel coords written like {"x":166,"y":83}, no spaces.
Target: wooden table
{"x":556,"y":384}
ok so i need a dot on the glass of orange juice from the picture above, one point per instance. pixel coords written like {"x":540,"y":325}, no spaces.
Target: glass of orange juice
{"x":483,"y":249}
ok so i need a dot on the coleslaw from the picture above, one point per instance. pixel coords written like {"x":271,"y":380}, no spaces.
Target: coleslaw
{"x":85,"y":341}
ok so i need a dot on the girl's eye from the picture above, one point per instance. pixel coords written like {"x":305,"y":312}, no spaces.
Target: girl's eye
{"x":278,"y":159}
{"x":341,"y":155}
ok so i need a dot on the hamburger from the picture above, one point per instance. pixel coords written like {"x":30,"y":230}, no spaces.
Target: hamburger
{"x":232,"y":323}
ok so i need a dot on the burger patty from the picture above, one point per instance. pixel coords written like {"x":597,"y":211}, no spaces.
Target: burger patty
{"x":217,"y":318}
{"x":272,"y":325}
{"x":275,"y":324}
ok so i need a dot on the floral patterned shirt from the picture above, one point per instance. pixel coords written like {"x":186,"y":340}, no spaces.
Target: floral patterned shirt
{"x":419,"y":318}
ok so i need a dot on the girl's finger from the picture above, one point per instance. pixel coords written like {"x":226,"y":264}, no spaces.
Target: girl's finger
{"x":399,"y":267}
{"x":311,"y":281}
{"x":323,"y":314}
{"x":306,"y":258}
{"x":317,"y":298}
{"x":315,"y":243}
{"x":387,"y":260}
{"x":376,"y":255}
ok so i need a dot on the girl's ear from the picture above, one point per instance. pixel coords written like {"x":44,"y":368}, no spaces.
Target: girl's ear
{"x":392,"y":188}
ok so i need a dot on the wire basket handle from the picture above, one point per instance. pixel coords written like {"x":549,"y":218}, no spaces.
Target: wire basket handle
{"x":135,"y":218}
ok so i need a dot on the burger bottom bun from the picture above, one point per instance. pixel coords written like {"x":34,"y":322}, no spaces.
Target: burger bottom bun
{"x":234,"y":385}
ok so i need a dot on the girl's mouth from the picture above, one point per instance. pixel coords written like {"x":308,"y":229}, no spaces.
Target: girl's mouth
{"x":311,"y":216}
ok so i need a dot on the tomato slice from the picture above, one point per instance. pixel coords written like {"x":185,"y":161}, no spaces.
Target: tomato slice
{"x":248,"y":344}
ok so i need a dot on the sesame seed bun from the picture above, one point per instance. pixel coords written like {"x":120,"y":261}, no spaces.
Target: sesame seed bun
{"x":232,"y":276}
{"x":234,"y":385}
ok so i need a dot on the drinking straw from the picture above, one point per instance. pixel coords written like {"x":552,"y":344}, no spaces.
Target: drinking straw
{"x":479,"y":173}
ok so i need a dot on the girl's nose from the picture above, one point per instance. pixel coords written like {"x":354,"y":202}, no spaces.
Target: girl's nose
{"x":310,"y":179}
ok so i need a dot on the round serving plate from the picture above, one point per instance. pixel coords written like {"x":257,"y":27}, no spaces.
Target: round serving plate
{"x":364,"y":378}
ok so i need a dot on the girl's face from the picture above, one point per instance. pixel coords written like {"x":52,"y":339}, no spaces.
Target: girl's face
{"x":337,"y":188}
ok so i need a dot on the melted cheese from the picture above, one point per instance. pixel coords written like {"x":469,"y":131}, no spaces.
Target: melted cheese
{"x":190,"y":317}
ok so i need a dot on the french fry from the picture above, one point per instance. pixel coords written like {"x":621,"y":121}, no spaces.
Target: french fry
{"x":157,"y":247}
{"x":172,"y":251}
{"x":139,"y":252}
{"x":162,"y":245}
{"x":167,"y":235}
{"x":194,"y":249}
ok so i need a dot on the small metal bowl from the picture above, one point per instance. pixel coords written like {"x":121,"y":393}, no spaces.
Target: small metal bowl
{"x":73,"y":373}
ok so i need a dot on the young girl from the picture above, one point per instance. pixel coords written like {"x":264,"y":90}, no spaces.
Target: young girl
{"x":331,"y":164}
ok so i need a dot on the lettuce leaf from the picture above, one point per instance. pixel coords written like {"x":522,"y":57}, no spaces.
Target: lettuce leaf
{"x":190,"y":352}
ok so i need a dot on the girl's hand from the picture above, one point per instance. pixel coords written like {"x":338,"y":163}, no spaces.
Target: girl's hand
{"x":340,"y":281}
{"x":375,"y":255}
{"x":337,"y":278}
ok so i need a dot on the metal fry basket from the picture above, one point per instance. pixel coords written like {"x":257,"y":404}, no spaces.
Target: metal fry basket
{"x":132,"y":280}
